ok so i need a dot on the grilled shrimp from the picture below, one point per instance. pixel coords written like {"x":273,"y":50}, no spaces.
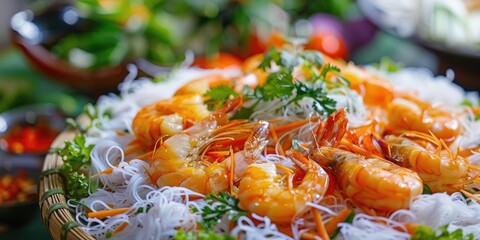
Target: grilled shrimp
{"x":264,"y":192}
{"x":167,"y":117}
{"x":438,"y":168}
{"x":413,"y":115}
{"x":374,"y":182}
{"x":177,"y":161}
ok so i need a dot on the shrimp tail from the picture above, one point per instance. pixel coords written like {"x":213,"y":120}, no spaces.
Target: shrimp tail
{"x":257,"y":140}
{"x":332,"y":130}
{"x":230,"y":106}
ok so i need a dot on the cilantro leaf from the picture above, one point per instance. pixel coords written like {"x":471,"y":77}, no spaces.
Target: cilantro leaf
{"x":272,"y":55}
{"x":76,"y":161}
{"x":218,"y":95}
{"x":217,"y":206}
{"x":328,"y":68}
{"x":278,"y":85}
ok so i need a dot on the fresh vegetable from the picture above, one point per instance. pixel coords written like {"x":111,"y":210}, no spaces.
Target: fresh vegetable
{"x":106,"y":213}
{"x":76,"y":157}
{"x":219,"y":205}
{"x":279,"y":84}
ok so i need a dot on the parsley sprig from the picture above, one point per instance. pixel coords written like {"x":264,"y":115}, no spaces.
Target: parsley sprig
{"x":280,"y":83}
{"x":76,"y":157}
{"x":217,"y":206}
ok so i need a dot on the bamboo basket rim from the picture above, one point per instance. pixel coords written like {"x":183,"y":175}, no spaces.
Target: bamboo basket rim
{"x":56,"y":215}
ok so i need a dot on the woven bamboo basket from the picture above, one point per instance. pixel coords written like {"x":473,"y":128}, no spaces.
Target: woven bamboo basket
{"x":57,"y":217}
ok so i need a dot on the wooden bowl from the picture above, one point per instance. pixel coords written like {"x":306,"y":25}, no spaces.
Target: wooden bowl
{"x":33,"y":33}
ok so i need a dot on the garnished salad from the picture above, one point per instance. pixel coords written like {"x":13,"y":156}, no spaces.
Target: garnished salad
{"x":290,"y":144}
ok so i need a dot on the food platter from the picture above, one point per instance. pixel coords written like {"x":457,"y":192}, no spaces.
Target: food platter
{"x":53,"y":203}
{"x":293,"y":144}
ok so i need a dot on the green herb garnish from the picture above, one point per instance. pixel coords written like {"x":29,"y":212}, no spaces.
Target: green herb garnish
{"x":76,"y":157}
{"x":218,"y":95}
{"x":217,"y":206}
{"x":426,"y":233}
{"x":280,"y":84}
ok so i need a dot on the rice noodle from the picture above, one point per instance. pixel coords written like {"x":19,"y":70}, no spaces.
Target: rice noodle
{"x":159,"y":213}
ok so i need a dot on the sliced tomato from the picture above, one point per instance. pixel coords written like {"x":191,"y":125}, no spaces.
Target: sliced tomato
{"x":219,"y":60}
{"x":329,"y":43}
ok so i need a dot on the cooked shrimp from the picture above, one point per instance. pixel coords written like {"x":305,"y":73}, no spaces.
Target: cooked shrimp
{"x":438,"y":168}
{"x":167,"y":117}
{"x":375,"y":90}
{"x":414,"y":115}
{"x":203,"y":84}
{"x":264,"y":192}
{"x":254,"y":144}
{"x":374,"y":182}
{"x":177,"y":161}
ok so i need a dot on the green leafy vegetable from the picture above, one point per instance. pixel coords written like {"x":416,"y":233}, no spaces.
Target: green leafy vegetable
{"x":426,"y":233}
{"x":201,"y":235}
{"x":218,"y":95}
{"x":281,"y":84}
{"x":219,"y":205}
{"x":76,"y":157}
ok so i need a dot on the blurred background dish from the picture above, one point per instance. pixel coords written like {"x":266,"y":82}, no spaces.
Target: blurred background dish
{"x":38,"y":34}
{"x":26,"y":134}
{"x":448,"y":28}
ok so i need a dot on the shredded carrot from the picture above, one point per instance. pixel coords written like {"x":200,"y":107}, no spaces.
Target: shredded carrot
{"x":331,"y":226}
{"x":308,"y":236}
{"x":232,"y":142}
{"x":320,"y":226}
{"x":120,"y":228}
{"x":106,"y":213}
{"x":294,"y":125}
{"x":108,"y":170}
